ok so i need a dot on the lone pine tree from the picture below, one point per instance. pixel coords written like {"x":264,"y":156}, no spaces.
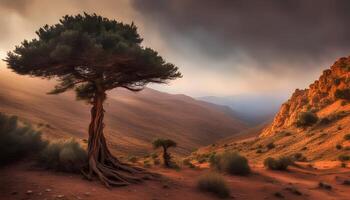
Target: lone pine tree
{"x":165,"y":144}
{"x":92,"y":55}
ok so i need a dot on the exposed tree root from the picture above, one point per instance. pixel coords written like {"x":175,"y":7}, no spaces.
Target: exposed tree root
{"x":101,"y":162}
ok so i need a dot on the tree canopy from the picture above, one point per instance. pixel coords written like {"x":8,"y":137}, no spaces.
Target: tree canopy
{"x":89,"y":53}
{"x":166,"y":143}
{"x":92,"y":54}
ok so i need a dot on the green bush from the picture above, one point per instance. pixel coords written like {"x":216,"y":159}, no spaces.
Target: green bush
{"x":232,"y":163}
{"x":270,"y":145}
{"x":132,"y":159}
{"x":215,"y":184}
{"x":347,"y":137}
{"x":281,"y":163}
{"x":306,"y":119}
{"x":299,"y":157}
{"x":344,"y":157}
{"x":342,"y":94}
{"x":63,"y":156}
{"x":17,"y":140}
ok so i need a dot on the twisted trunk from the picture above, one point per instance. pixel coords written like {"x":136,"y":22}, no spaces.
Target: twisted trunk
{"x":101,"y":162}
{"x":166,"y":157}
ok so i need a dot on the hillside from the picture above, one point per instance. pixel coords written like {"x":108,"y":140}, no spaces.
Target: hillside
{"x":314,"y":123}
{"x":133,"y":120}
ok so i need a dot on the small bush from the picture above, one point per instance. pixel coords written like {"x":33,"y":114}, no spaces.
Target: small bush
{"x":324,"y":186}
{"x":299,"y":157}
{"x":277,"y":164}
{"x":342,"y":94}
{"x":338,"y":146}
{"x":232,"y":163}
{"x":347,"y":137}
{"x":154,"y":155}
{"x":132,"y":159}
{"x":17,"y":140}
{"x":270,"y":145}
{"x":306,"y":119}
{"x":63,"y":156}
{"x":343,"y":103}
{"x":215,"y":184}
{"x":344,"y":157}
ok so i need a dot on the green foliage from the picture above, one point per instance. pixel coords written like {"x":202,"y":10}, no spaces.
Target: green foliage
{"x":337,"y":81}
{"x":230,"y":162}
{"x":63,"y":156}
{"x":166,"y":143}
{"x":132,"y":159}
{"x":338,"y":146}
{"x":325,"y":186}
{"x":347,"y":137}
{"x":281,"y":163}
{"x":270,"y":145}
{"x":215,"y":184}
{"x":299,"y":157}
{"x":306,"y":119}
{"x":17,"y":140}
{"x":342,"y":94}
{"x":89,"y":53}
{"x":344,"y":157}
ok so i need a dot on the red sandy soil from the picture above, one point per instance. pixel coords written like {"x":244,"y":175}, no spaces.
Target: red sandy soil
{"x":16,"y":180}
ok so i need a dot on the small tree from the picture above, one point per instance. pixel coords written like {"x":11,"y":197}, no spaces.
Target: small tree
{"x":92,"y":55}
{"x":165,"y":144}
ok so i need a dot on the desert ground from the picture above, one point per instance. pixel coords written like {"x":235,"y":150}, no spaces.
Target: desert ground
{"x":23,"y":181}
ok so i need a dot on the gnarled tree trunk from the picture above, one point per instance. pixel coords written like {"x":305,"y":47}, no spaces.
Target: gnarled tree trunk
{"x":100,"y":160}
{"x":166,"y":157}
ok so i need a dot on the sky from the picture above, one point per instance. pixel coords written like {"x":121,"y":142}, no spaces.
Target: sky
{"x":222,"y":47}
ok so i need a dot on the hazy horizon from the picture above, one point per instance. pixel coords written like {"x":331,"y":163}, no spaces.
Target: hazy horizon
{"x":217,"y":53}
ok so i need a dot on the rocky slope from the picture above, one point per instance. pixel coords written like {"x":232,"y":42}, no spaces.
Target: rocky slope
{"x":319,"y":95}
{"x":313,"y":124}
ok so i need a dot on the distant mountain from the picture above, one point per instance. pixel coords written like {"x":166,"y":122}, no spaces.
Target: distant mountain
{"x":312,"y":125}
{"x":254,"y":109}
{"x":133,"y":120}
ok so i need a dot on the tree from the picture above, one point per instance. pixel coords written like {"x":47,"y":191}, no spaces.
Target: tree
{"x":165,"y":144}
{"x":92,"y":55}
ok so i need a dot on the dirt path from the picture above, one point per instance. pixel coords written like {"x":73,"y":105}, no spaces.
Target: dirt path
{"x":177,"y":185}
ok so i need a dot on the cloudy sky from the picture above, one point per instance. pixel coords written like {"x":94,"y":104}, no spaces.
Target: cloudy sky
{"x":223,"y":47}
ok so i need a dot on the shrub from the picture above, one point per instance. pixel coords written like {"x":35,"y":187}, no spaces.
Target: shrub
{"x":215,"y":184}
{"x":154,"y":155}
{"x":347,"y":137}
{"x":337,"y":81}
{"x":270,"y":145}
{"x":132,"y":159}
{"x":344,"y":157}
{"x":306,"y":119}
{"x":324,"y":186}
{"x":338,"y":146}
{"x":299,"y":157}
{"x":17,"y":140}
{"x":342,"y":94}
{"x":232,"y":163}
{"x":65,"y":156}
{"x":343,"y":103}
{"x":277,"y":164}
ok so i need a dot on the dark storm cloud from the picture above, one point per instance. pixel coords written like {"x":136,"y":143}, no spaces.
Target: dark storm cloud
{"x":265,"y":30}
